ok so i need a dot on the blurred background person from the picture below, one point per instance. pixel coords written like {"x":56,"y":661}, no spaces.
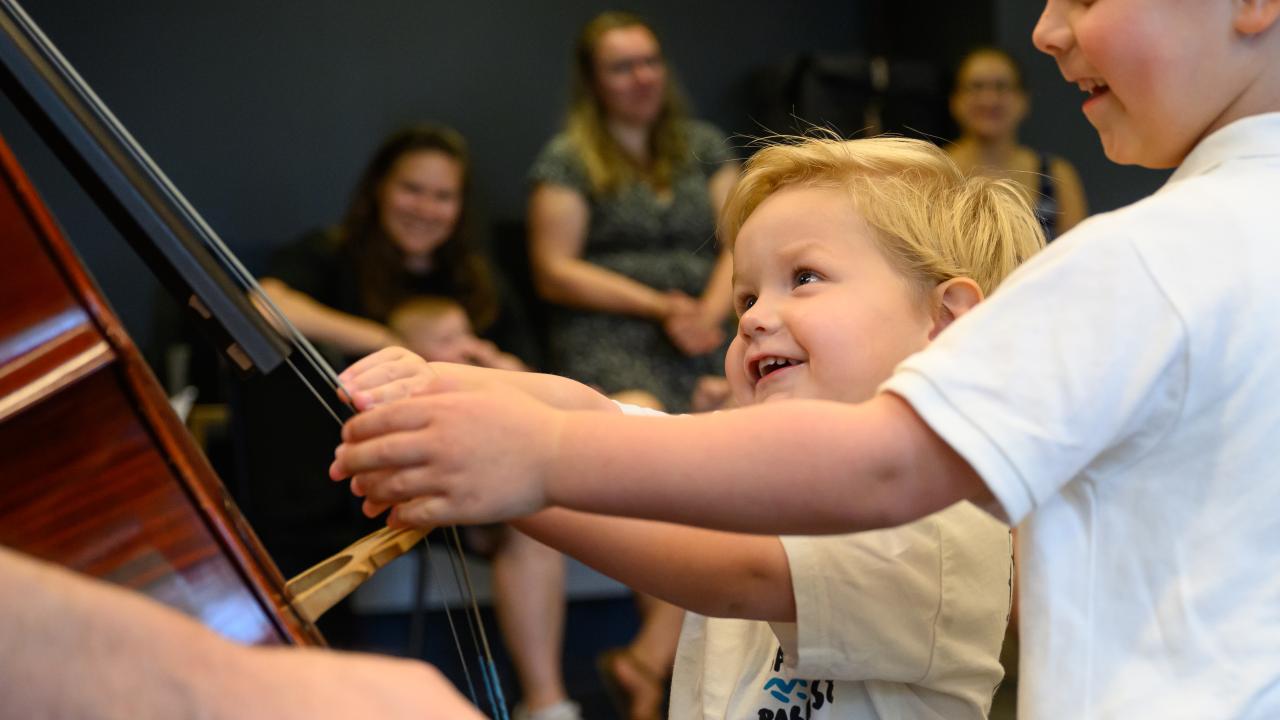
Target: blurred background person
{"x":408,"y":232}
{"x":989,"y":103}
{"x":622,"y":218}
{"x":438,"y":329}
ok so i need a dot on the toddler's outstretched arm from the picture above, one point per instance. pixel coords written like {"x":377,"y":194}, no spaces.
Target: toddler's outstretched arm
{"x":713,"y":573}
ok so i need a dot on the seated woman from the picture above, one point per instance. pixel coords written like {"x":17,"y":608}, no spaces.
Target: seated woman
{"x":622,"y":239}
{"x":622,"y":223}
{"x":988,"y":104}
{"x":408,"y":232}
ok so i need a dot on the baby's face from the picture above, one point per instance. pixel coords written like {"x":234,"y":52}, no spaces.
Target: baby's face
{"x":447,"y":338}
{"x":822,"y":314}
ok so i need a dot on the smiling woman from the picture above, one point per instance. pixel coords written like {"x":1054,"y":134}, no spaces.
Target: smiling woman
{"x":989,"y":103}
{"x":407,"y":232}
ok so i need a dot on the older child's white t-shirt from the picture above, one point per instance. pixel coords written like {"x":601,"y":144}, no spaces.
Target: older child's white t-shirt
{"x":1120,"y":395}
{"x":900,"y":623}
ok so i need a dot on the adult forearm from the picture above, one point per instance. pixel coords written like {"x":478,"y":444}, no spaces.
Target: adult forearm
{"x":319,"y":322}
{"x":580,"y":284}
{"x":76,"y":648}
{"x":73,"y":647}
{"x":713,"y":573}
{"x":717,"y":298}
{"x":805,"y":467}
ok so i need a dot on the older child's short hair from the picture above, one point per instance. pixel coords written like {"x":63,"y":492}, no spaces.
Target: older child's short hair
{"x":931,"y":222}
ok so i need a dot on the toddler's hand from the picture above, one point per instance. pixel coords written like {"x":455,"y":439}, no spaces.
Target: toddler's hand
{"x":388,"y":374}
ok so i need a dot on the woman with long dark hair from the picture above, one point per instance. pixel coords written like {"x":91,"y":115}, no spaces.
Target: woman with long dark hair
{"x":408,"y":233}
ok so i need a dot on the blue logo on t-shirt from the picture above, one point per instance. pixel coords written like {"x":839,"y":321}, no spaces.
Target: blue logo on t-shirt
{"x":801,"y":697}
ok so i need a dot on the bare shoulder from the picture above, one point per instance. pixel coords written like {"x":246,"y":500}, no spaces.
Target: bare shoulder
{"x":1062,"y":170}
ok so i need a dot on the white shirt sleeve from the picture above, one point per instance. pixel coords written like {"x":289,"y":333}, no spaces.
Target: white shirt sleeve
{"x":1079,"y":351}
{"x":639,"y":410}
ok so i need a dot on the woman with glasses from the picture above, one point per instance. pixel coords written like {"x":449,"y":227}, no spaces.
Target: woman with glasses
{"x":622,"y":223}
{"x":988,"y":104}
{"x":622,"y":219}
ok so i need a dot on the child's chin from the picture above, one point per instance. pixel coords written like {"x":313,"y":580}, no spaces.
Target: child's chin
{"x":777,"y":396}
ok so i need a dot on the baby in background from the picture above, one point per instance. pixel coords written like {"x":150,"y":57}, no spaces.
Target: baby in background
{"x":437,"y":328}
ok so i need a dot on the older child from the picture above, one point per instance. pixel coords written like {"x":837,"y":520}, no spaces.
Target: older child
{"x":1117,"y":398}
{"x":848,"y":256}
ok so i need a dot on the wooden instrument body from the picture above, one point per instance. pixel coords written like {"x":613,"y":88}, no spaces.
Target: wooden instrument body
{"x":96,"y":471}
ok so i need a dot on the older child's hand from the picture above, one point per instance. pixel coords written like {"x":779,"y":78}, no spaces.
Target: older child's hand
{"x":432,"y":456}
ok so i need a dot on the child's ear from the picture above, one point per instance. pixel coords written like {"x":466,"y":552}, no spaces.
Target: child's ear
{"x":952,"y":299}
{"x":1255,"y":16}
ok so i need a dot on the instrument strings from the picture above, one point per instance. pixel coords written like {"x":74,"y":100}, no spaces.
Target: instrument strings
{"x":327,"y":389}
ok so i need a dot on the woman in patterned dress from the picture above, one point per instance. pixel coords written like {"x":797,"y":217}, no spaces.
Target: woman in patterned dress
{"x":622,"y":221}
{"x":622,"y":224}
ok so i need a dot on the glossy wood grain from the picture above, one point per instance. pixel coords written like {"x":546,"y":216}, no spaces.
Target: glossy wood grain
{"x":96,"y":472}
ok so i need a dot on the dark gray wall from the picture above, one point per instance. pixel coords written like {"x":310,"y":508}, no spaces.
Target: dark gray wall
{"x":1056,"y":123}
{"x":263,"y":112}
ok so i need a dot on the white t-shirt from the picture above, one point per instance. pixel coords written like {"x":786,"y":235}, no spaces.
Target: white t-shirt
{"x":1120,"y":395}
{"x":899,"y":623}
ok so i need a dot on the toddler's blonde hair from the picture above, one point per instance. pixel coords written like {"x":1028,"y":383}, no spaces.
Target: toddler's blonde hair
{"x":931,"y":222}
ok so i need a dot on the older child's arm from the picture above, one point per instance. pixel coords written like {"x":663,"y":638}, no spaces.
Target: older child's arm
{"x":489,"y":455}
{"x":713,"y":573}
{"x":866,"y":466}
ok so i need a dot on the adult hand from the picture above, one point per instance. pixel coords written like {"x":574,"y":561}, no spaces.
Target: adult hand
{"x":686,"y":327}
{"x":433,"y":456}
{"x":711,"y":393}
{"x":692,"y":334}
{"x":316,"y":684}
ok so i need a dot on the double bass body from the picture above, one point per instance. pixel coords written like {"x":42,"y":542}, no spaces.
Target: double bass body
{"x":96,"y":471}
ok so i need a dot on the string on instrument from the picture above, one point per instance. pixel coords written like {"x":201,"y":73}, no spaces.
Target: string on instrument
{"x":310,"y":367}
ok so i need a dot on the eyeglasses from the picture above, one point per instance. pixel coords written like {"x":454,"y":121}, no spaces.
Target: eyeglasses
{"x":627,"y":66}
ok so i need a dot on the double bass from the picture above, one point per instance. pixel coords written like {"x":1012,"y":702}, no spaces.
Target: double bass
{"x":97,"y":473}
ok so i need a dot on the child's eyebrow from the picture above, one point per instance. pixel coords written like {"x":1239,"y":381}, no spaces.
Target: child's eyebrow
{"x":792,"y":250}
{"x":803,"y":246}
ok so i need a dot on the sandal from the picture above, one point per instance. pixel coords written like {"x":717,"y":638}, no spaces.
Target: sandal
{"x":624,"y":698}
